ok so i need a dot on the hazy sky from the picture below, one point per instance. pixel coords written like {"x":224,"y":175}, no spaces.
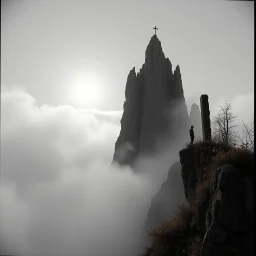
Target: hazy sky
{"x":80,"y":52}
{"x":64,"y":66}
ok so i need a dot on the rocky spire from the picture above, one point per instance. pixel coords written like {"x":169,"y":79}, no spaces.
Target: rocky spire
{"x":127,"y":143}
{"x":154,"y":106}
{"x":154,"y":54}
{"x":178,"y":89}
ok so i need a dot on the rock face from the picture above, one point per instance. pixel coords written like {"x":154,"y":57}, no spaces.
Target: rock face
{"x":127,"y":144}
{"x":189,"y":172}
{"x":230,"y":216}
{"x":167,"y":198}
{"x":195,"y":120}
{"x":193,"y":162}
{"x":225,"y":220}
{"x":220,"y":206}
{"x":154,"y":107}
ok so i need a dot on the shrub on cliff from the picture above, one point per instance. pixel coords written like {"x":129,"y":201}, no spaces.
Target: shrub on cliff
{"x":183,"y":234}
{"x":206,"y":146}
{"x":194,"y":247}
{"x":202,"y":197}
{"x":171,"y":236}
{"x":241,"y":159}
{"x":209,"y":144}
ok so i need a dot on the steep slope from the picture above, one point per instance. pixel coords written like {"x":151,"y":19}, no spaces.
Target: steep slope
{"x":165,"y":202}
{"x":218,"y":219}
{"x":155,"y":112}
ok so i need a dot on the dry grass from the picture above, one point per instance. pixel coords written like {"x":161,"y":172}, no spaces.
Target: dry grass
{"x":209,"y":144}
{"x":173,"y":233}
{"x":224,"y":154}
{"x":179,"y":222}
{"x":202,"y":196}
{"x":241,"y":159}
{"x":201,"y":146}
{"x":195,"y":246}
{"x":173,"y":236}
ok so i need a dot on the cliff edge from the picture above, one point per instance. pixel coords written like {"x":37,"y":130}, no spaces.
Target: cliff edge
{"x":218,"y":220}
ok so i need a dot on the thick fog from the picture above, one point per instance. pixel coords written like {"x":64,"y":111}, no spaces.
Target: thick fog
{"x":60,"y":195}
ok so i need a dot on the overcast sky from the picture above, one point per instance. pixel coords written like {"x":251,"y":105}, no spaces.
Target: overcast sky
{"x":80,"y":52}
{"x":64,"y":66}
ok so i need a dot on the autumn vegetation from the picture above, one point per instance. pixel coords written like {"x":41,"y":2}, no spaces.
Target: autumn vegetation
{"x":179,"y":235}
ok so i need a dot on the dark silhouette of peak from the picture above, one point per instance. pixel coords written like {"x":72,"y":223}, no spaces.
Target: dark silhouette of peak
{"x":177,"y":73}
{"x":177,"y":69}
{"x":154,"y":43}
{"x":168,"y":61}
{"x":132,"y":74}
{"x":131,"y":82}
{"x":154,"y":53}
{"x":154,"y":39}
{"x":154,"y":107}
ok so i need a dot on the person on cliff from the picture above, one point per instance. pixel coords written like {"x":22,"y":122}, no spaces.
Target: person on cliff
{"x":192,"y":135}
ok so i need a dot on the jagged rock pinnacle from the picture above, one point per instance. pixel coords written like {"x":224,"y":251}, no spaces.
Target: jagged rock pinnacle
{"x":154,"y":38}
{"x":177,"y":69}
{"x":154,"y":53}
{"x":154,"y":107}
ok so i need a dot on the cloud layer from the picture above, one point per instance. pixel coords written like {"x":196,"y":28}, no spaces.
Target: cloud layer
{"x":59,"y":193}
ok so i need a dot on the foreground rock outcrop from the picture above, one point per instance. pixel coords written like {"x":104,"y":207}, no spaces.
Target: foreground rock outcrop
{"x":230,"y":216}
{"x":219,"y":218}
{"x":155,"y":112}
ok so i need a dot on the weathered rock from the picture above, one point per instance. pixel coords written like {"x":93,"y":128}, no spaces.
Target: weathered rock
{"x":155,"y":112}
{"x":229,"y":220}
{"x":126,"y":147}
{"x":223,"y":205}
{"x":194,"y":163}
{"x":189,"y":171}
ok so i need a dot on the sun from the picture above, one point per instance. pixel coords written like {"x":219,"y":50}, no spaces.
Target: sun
{"x":86,"y":90}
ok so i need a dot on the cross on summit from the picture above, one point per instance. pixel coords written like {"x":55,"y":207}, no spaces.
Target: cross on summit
{"x":155,"y":28}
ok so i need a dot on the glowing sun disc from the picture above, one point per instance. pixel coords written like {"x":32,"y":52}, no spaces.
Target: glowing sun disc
{"x":85,"y":90}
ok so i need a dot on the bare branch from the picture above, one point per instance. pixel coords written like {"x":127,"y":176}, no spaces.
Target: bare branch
{"x":224,"y":124}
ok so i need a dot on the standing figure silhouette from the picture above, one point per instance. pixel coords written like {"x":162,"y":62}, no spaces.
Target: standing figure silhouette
{"x":192,"y":135}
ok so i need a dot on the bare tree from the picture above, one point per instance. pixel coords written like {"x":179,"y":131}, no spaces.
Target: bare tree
{"x":246,"y":140}
{"x":224,"y":125}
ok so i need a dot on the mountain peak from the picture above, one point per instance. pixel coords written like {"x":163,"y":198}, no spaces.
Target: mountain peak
{"x":154,"y":38}
{"x":153,"y":97}
{"x":154,"y":42}
{"x":154,"y":52}
{"x":177,"y":69}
